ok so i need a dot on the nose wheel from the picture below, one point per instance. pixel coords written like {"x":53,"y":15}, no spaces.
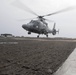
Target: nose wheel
{"x":29,"y":32}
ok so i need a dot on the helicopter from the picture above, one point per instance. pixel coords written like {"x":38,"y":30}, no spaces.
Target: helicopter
{"x":39,"y":26}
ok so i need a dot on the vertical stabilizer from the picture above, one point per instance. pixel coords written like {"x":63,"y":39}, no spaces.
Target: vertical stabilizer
{"x":54,"y":31}
{"x":54,"y":25}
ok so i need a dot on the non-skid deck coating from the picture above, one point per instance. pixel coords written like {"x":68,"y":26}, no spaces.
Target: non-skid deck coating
{"x":32,"y":56}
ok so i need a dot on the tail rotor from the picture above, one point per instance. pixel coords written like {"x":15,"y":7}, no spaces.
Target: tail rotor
{"x":54,"y":31}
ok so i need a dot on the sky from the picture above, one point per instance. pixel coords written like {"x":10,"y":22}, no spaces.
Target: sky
{"x":11,"y":16}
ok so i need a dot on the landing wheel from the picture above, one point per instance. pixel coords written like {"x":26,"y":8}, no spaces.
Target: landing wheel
{"x":29,"y":32}
{"x":38,"y":36}
{"x":46,"y":35}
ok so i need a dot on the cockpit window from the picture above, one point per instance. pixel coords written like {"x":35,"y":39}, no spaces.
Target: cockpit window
{"x":32,"y":21}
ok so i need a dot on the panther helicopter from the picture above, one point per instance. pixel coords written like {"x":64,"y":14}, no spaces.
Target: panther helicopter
{"x":39,"y":26}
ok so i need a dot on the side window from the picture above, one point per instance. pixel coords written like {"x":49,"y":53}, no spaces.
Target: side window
{"x":36,"y":26}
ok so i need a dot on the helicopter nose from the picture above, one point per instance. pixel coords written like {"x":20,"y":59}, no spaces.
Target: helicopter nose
{"x":25,"y":26}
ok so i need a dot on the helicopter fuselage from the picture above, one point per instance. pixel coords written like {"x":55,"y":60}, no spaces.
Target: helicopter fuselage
{"x":37,"y":26}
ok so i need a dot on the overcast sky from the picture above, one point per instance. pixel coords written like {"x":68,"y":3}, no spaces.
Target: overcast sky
{"x":65,"y":22}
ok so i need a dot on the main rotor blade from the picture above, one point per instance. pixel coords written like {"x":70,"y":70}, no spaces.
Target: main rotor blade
{"x":26,"y":19}
{"x":19,"y":4}
{"x":49,"y":20}
{"x":60,"y":11}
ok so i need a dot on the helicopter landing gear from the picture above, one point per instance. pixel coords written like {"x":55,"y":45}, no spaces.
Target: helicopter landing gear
{"x":29,"y":32}
{"x":47,"y":35}
{"x":38,"y":36}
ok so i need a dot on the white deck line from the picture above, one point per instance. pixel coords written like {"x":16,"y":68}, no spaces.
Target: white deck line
{"x":69,"y":66}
